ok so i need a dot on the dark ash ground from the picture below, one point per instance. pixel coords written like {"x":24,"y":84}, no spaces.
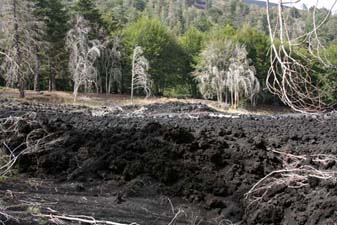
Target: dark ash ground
{"x":123,"y":164}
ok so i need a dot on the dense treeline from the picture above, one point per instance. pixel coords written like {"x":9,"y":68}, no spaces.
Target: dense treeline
{"x":179,"y":39}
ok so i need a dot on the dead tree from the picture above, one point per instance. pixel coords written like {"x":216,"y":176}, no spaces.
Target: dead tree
{"x":17,"y":47}
{"x":225,"y":71}
{"x":116,"y":68}
{"x":111,"y":67}
{"x":83,"y":54}
{"x":212,"y":74}
{"x":18,"y":42}
{"x":241,"y":80}
{"x":288,"y":78}
{"x":141,"y":79}
{"x":12,"y":61}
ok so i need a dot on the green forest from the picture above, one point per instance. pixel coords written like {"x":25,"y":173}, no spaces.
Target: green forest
{"x":186,"y":48}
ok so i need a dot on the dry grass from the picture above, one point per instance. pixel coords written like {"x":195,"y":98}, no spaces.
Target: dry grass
{"x":99,"y":100}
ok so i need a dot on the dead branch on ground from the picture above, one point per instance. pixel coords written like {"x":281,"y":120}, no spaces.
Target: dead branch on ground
{"x":295,"y":174}
{"x":78,"y":218}
{"x":10,"y":129}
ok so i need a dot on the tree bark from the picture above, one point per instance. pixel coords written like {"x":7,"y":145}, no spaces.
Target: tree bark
{"x":37,"y":71}
{"x":53,"y":81}
{"x":133,"y":74}
{"x":52,"y":85}
{"x":21,"y":80}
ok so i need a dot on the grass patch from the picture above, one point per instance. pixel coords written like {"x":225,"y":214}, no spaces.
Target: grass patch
{"x":2,"y":179}
{"x":34,"y":210}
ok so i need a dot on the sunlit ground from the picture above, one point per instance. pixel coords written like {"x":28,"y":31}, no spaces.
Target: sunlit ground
{"x":101,"y":100}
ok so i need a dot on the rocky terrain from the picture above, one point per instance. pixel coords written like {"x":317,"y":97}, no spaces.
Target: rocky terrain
{"x":170,"y":163}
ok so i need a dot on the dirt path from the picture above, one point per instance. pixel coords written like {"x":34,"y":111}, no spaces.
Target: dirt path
{"x":30,"y":197}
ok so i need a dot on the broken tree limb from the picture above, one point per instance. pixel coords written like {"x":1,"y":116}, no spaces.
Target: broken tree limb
{"x":81,"y":218}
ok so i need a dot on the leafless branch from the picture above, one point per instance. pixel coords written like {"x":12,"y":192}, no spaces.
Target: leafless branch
{"x":295,"y":174}
{"x":141,"y":79}
{"x":289,"y":78}
{"x":83,"y":54}
{"x":80,"y":219}
{"x":226,"y":72}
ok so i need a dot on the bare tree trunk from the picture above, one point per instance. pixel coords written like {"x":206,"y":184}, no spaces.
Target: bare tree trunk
{"x":18,"y":49}
{"x":106,"y":84}
{"x":110,"y":84}
{"x":37,"y":71}
{"x":52,"y":85}
{"x":50,"y":82}
{"x":49,"y":76}
{"x":76,"y":87}
{"x":100,"y":85}
{"x":133,"y":75}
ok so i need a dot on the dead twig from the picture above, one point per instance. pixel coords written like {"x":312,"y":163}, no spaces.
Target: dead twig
{"x":78,"y":218}
{"x":295,"y":175}
{"x":10,"y":128}
{"x":176,"y":216}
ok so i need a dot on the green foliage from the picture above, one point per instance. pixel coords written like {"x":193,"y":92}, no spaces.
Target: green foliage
{"x":327,"y":77}
{"x":160,"y":48}
{"x":192,"y":43}
{"x":88,"y":10}
{"x":331,"y":54}
{"x":202,"y":23}
{"x":55,"y":17}
{"x":116,"y":14}
{"x":173,"y":33}
{"x":221,"y":40}
{"x":257,"y":45}
{"x":221,"y":33}
{"x":324,"y":77}
{"x":2,"y":179}
{"x":53,"y":54}
{"x":139,"y":5}
{"x":111,"y":23}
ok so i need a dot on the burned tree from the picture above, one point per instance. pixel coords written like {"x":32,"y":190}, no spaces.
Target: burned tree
{"x":141,"y":79}
{"x":83,"y":54}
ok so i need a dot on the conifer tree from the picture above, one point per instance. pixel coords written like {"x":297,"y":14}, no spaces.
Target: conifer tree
{"x":56,"y":26}
{"x":88,"y":10}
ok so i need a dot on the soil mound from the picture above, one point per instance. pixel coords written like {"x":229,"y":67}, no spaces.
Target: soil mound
{"x":248,"y":169}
